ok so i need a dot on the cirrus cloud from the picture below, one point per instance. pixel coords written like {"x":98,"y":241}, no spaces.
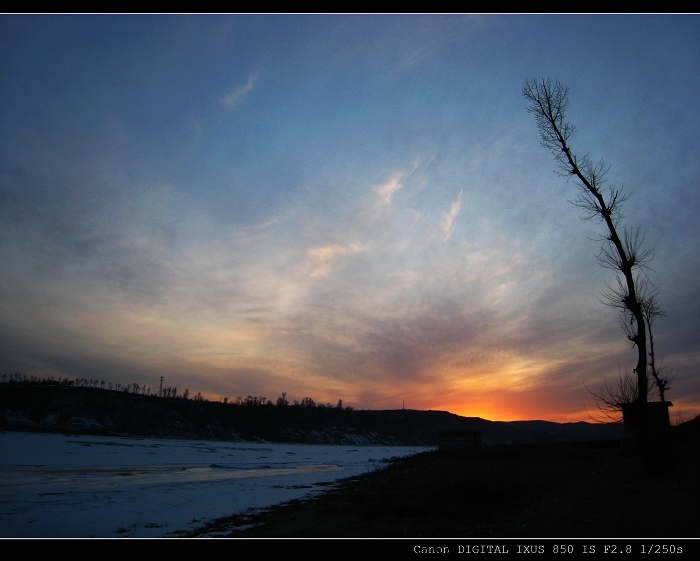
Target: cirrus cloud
{"x":236,"y":96}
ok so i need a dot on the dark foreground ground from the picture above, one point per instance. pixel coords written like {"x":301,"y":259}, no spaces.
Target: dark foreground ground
{"x":542,"y":490}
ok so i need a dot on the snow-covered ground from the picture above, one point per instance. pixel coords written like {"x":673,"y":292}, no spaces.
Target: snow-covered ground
{"x":54,"y":485}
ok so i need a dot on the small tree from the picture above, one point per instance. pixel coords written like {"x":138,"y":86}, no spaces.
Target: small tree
{"x":621,"y":249}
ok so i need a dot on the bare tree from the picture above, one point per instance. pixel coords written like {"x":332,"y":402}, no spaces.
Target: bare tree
{"x":651,"y":310}
{"x":621,"y":249}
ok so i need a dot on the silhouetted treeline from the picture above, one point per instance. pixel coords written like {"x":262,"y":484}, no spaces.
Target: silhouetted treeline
{"x":167,"y":392}
{"x":84,"y":409}
{"x":283,"y":402}
{"x":134,"y":387}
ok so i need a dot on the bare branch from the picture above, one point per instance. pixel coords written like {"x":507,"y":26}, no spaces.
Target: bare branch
{"x":652,"y":310}
{"x":611,"y":396}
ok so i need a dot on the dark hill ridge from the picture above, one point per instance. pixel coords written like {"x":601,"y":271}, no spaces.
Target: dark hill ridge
{"x":26,"y":406}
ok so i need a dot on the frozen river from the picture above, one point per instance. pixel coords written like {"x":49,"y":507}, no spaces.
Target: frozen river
{"x":54,"y":485}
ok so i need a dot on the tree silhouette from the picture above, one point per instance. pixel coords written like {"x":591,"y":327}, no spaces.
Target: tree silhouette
{"x":651,"y":310}
{"x":621,"y":248}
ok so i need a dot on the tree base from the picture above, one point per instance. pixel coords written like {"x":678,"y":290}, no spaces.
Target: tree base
{"x":647,"y":429}
{"x":645,"y":420}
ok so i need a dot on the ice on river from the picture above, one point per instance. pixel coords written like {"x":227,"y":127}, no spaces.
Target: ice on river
{"x":54,"y":485}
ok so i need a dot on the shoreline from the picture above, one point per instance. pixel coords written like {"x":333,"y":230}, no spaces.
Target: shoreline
{"x":530,"y":491}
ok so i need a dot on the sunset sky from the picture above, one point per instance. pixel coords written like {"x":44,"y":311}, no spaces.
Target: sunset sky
{"x":351,"y":207}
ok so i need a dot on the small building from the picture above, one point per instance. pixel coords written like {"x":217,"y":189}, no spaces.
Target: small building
{"x":459,"y":439}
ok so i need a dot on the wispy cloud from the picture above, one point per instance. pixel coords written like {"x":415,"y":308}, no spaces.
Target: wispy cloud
{"x":321,"y":259}
{"x":234,"y":98}
{"x":448,"y":218}
{"x":387,"y":190}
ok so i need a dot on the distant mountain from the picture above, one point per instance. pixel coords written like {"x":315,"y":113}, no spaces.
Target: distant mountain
{"x":579,"y":431}
{"x":37,"y":407}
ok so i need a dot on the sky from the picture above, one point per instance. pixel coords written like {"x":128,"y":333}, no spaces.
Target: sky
{"x":342,"y":207}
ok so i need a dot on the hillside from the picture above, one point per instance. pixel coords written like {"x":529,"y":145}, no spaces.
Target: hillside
{"x":37,"y":407}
